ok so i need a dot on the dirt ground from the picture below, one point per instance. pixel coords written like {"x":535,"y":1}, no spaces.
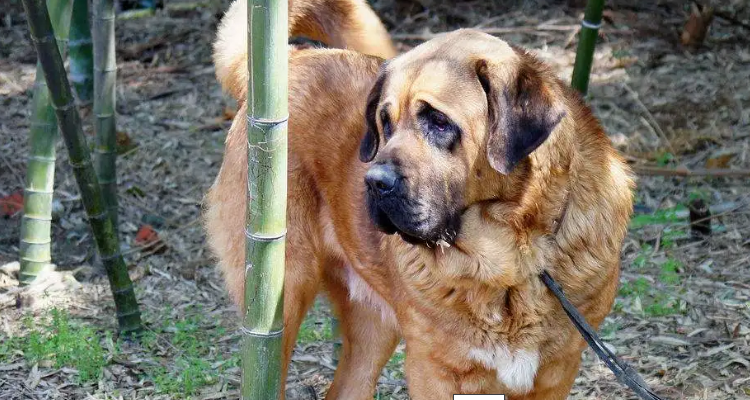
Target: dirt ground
{"x":683,"y":314}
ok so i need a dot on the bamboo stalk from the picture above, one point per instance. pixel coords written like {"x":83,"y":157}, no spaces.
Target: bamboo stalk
{"x":105,"y":76}
{"x":590,"y":25}
{"x":69,"y":122}
{"x":81,"y":52}
{"x":266,"y":207}
{"x":36,"y":223}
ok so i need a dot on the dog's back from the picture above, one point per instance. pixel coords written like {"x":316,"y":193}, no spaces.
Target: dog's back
{"x":344,"y":24}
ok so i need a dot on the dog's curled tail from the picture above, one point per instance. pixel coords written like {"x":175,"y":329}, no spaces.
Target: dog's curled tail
{"x":346,"y":24}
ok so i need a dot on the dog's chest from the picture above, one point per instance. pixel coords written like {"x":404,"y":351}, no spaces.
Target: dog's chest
{"x":515,"y":369}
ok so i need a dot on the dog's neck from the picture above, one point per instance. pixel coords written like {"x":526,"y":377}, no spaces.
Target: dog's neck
{"x":491,"y":269}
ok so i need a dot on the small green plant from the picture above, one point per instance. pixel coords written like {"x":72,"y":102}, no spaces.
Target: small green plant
{"x":637,"y":287}
{"x":659,"y":217}
{"x":187,"y":358}
{"x":699,"y":194}
{"x":396,"y":363}
{"x":608,"y":329}
{"x":63,"y":343}
{"x":664,"y":158}
{"x":656,"y":299}
{"x":669,"y":272}
{"x":643,"y":255}
{"x":315,"y":329}
{"x":662,"y":304}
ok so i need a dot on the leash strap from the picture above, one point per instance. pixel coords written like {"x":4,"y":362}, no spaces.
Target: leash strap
{"x":623,"y":372}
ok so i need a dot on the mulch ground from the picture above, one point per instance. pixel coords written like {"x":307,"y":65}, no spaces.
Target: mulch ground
{"x":683,"y":314}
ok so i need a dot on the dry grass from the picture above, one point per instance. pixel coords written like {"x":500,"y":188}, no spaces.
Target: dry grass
{"x":683,"y":314}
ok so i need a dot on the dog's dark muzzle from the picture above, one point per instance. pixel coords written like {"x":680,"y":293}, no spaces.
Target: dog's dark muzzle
{"x":383,"y":180}
{"x":388,"y":204}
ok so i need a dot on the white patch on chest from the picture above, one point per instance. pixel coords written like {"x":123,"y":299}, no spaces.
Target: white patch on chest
{"x":516,"y":370}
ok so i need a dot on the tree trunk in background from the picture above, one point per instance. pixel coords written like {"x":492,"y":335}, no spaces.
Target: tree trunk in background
{"x":81,"y":52}
{"x":266,"y":208}
{"x":36,"y":223}
{"x":105,"y":76}
{"x":128,"y":315}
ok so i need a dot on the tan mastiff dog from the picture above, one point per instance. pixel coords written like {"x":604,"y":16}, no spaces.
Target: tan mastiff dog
{"x":425,"y":196}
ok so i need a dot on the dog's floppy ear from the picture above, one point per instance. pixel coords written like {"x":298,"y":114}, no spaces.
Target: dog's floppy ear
{"x":370,"y":142}
{"x":522,"y":112}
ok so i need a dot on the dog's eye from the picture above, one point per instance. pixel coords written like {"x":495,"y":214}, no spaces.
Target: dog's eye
{"x":440,"y":130}
{"x":385,"y":120}
{"x":438,"y":120}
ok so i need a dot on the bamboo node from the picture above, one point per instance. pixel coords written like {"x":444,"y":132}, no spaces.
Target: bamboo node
{"x":265,"y":238}
{"x":99,"y":150}
{"x":271,"y":334}
{"x":113,"y":69}
{"x":45,"y":39}
{"x":78,"y":165}
{"x":591,"y":25}
{"x":127,"y":314}
{"x":27,"y":259}
{"x":42,"y":158}
{"x":36,"y":218}
{"x":79,"y":42}
{"x":37,"y":191}
{"x":104,"y":214}
{"x":112,"y":256}
{"x":264,"y":122}
{"x":126,"y":289}
{"x":65,"y":107}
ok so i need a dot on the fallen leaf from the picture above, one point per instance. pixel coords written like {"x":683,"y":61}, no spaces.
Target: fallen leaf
{"x":11,"y":204}
{"x":669,"y":340}
{"x":721,"y":161}
{"x":34,"y":377}
{"x":697,"y":25}
{"x":124,"y":143}
{"x":11,"y":367}
{"x":146,"y":235}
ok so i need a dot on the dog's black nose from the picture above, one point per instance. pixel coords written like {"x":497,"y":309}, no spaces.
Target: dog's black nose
{"x":382,"y":178}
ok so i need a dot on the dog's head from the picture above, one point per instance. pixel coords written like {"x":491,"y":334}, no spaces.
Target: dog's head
{"x":450,"y":123}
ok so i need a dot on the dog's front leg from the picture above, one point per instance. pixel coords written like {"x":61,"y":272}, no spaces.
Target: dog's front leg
{"x":370,"y":334}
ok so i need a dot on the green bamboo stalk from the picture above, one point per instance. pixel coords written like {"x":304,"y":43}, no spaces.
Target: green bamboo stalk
{"x":69,"y":122}
{"x":36,"y":223}
{"x":590,"y":25}
{"x":266,"y":209}
{"x":81,"y":52}
{"x":105,"y":76}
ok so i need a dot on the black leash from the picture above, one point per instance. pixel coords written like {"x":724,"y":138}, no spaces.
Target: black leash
{"x":623,"y":372}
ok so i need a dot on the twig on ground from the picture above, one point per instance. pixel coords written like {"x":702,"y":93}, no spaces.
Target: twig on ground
{"x":732,"y":20}
{"x":651,"y":118}
{"x":160,"y":239}
{"x":498,"y":30}
{"x":685,"y":172}
{"x":13,"y":171}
